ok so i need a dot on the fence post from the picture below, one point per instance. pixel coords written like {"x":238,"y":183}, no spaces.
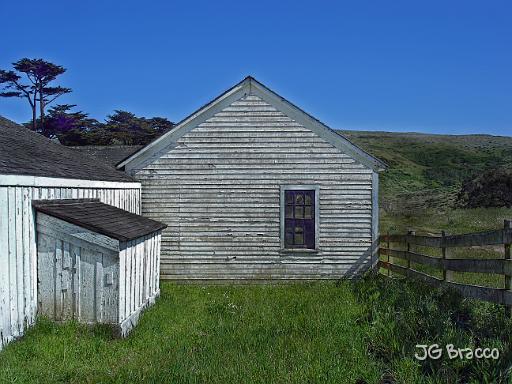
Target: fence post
{"x":378,"y":253}
{"x":387,"y":245}
{"x":410,"y":233}
{"x":508,"y":256}
{"x":446,"y":275}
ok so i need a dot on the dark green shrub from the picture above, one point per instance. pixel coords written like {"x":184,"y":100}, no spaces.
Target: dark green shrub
{"x":492,"y":188}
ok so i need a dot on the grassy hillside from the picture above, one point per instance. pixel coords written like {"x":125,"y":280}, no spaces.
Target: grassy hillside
{"x":419,"y":190}
{"x":429,"y":169}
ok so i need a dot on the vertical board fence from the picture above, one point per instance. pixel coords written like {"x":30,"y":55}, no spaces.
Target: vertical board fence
{"x":500,"y":266}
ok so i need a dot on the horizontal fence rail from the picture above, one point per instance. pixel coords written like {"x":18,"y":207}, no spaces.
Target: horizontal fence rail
{"x":500,"y":266}
{"x":498,"y":237}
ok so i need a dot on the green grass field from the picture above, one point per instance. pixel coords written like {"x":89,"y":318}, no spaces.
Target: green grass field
{"x":336,"y":332}
{"x":453,"y":221}
{"x":210,"y":334}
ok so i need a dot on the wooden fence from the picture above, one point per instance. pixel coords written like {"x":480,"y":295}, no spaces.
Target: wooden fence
{"x":501,"y":266}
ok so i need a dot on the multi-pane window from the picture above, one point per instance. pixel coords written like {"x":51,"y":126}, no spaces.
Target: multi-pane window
{"x":299,"y":219}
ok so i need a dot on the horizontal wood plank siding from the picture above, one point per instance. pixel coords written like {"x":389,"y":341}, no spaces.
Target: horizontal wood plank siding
{"x":18,"y":258}
{"x":217,"y":188}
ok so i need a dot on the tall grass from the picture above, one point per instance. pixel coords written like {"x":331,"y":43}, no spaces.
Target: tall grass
{"x":456,"y":221}
{"x":401,"y":314}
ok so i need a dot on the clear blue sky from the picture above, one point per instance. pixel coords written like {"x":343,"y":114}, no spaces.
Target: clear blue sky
{"x":427,"y":66}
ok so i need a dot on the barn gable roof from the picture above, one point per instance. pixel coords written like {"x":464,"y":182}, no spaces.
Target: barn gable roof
{"x":98,"y":217}
{"x":249,"y":86}
{"x":25,"y":152}
{"x":108,"y":154}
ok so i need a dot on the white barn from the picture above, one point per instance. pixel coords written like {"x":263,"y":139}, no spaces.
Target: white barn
{"x":253,"y":188}
{"x":35,"y":168}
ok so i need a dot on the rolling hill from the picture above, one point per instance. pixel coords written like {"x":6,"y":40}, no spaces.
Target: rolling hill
{"x":427,"y":170}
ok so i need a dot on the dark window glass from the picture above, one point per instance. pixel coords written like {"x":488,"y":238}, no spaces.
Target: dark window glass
{"x":300,"y":219}
{"x":299,"y":236}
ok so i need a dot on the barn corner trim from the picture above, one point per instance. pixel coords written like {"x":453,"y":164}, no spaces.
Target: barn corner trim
{"x":248,"y":86}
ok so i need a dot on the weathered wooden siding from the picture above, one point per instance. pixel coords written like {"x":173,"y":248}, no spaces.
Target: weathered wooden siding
{"x":78,"y":272}
{"x":18,"y":263}
{"x":93,"y":278}
{"x":140,"y":277}
{"x":218,"y":191}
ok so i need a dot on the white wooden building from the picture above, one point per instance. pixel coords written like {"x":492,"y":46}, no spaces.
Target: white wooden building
{"x":252,"y":187}
{"x":96,"y":263}
{"x":34,"y":168}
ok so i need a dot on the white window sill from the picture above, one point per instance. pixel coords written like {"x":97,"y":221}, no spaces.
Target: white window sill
{"x":298,"y":250}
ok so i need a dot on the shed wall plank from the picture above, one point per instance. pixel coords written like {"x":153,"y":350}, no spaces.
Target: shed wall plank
{"x":57,"y":279}
{"x":12,"y":267}
{"x":5,"y":315}
{"x":122,"y":282}
{"x":66,"y":282}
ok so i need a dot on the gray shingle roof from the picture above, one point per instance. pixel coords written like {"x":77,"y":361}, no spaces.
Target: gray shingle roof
{"x":111,"y":155}
{"x":99,"y":217}
{"x":24,"y":152}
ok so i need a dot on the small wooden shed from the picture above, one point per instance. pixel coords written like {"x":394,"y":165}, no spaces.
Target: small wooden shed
{"x":96,"y":263}
{"x":33,"y":167}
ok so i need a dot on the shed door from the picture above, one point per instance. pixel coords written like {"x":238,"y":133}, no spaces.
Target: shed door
{"x":55,"y":278}
{"x":90,"y":286}
{"x":70,"y":281}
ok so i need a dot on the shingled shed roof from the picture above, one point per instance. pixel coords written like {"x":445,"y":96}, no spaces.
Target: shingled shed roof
{"x":99,"y":217}
{"x":111,"y":154}
{"x":24,"y":152}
